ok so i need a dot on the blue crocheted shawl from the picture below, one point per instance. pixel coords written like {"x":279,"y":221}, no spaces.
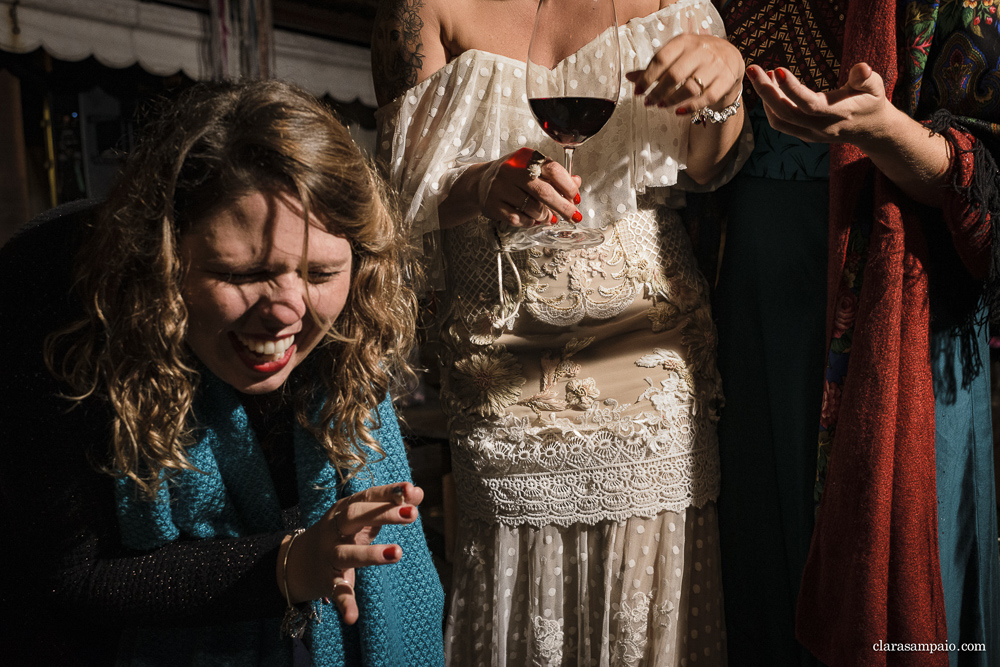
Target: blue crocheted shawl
{"x":400,"y":605}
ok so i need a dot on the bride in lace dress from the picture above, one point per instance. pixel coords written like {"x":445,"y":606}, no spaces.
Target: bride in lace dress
{"x":580,"y":386}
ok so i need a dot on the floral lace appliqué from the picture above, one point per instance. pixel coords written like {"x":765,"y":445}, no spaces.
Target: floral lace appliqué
{"x":548,"y":640}
{"x":475,"y":555}
{"x":561,"y":367}
{"x":632,"y":635}
{"x":488,"y":381}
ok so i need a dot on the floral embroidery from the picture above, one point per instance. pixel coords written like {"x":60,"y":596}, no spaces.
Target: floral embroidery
{"x":663,"y":315}
{"x":682,"y":293}
{"x":847,"y":310}
{"x":544,"y":464}
{"x":580,"y":394}
{"x":673,"y":395}
{"x":632,"y":635}
{"x":548,"y":636}
{"x":474,"y":554}
{"x":661,"y":614}
{"x":488,"y":381}
{"x":831,"y":404}
{"x":559,"y":368}
{"x":681,"y":385}
{"x":960,"y":71}
{"x":669,"y":359}
{"x":699,"y":337}
{"x":555,"y":261}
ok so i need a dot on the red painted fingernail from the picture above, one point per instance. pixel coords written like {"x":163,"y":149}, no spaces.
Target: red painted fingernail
{"x":406,"y":512}
{"x":576,"y":198}
{"x":390,"y":553}
{"x":554,"y":219}
{"x":326,"y":600}
{"x":781,"y":74}
{"x":577,"y":216}
{"x":682,"y":111}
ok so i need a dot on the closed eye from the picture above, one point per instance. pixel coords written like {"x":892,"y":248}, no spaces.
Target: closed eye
{"x":242,"y":278}
{"x":316,"y":277}
{"x":319,"y":277}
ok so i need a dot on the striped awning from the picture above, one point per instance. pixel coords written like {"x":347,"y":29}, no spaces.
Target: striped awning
{"x":165,"y":40}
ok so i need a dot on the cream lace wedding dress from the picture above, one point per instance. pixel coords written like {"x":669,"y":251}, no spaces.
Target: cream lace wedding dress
{"x":580,"y":386}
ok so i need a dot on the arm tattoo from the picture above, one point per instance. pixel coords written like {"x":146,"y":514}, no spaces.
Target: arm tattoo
{"x":397,"y":52}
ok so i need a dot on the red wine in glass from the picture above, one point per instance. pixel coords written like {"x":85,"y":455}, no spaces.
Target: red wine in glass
{"x":573,"y":79}
{"x":571,"y":120}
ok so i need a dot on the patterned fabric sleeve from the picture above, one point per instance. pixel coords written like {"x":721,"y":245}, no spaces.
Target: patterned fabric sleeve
{"x":969,"y":224}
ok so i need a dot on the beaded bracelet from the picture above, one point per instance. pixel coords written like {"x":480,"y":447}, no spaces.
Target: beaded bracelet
{"x":706,"y":114}
{"x":296,"y":617}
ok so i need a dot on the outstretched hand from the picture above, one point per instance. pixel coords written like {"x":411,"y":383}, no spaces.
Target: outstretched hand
{"x":323,"y":558}
{"x":855,"y":113}
{"x":908,"y":153}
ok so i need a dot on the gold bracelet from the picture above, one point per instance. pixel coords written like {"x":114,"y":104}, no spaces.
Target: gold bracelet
{"x":296,"y":619}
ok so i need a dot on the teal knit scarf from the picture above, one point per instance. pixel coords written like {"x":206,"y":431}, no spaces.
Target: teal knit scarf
{"x":233,"y":496}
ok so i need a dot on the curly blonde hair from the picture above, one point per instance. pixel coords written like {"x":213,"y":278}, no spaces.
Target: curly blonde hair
{"x":199,"y":154}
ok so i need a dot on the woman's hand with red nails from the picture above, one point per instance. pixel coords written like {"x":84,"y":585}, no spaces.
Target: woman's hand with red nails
{"x":323,"y":558}
{"x":691,"y":72}
{"x":856,"y":113}
{"x":504,"y":190}
{"x":915,"y":159}
{"x":512,"y":196}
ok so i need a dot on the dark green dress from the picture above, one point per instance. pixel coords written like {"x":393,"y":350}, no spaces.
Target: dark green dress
{"x":770,"y":309}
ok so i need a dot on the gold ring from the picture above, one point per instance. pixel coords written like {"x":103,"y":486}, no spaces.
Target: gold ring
{"x":700,"y":84}
{"x":520,"y":209}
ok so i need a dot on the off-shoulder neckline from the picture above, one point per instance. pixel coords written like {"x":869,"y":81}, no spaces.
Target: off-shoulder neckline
{"x":473,"y":54}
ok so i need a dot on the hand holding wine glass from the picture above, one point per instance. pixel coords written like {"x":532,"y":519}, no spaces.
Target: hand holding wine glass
{"x":573,"y":82}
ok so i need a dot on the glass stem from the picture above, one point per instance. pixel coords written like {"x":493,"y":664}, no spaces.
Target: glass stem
{"x":568,"y":163}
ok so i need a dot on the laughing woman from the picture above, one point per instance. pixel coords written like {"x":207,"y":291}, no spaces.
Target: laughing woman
{"x":200,"y":464}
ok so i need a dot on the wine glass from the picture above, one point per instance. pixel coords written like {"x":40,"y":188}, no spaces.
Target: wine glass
{"x":573,"y":80}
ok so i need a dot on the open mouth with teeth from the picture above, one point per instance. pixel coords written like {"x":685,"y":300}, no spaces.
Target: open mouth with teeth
{"x":263,"y":355}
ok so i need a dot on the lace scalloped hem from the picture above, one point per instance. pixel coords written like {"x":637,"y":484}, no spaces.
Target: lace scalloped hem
{"x":586,"y":478}
{"x":574,"y":511}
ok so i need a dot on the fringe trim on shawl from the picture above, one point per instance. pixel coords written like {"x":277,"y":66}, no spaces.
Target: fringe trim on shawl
{"x":983,"y":192}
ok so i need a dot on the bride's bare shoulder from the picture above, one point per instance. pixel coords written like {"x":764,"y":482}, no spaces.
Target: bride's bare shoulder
{"x":406,"y":45}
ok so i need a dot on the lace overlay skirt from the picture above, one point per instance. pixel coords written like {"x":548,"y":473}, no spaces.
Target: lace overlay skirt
{"x":582,"y":397}
{"x":643,"y":592}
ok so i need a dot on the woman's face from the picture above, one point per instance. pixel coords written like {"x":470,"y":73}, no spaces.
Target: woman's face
{"x":249,"y":320}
